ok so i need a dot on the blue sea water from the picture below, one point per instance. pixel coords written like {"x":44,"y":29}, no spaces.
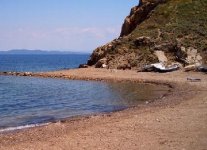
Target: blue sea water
{"x":40,"y":63}
{"x":28,"y":101}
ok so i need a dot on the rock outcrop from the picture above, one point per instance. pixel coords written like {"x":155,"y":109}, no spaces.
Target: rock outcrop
{"x":156,"y":31}
{"x":138,"y":14}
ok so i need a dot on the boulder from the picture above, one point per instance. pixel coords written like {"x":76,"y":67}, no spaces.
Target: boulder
{"x":193,"y":57}
{"x":83,"y":66}
{"x":161,"y":56}
{"x":123,"y":66}
{"x":102,"y":62}
{"x":190,"y":68}
{"x":143,"y":41}
{"x":97,"y":54}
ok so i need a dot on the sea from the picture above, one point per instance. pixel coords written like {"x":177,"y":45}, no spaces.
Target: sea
{"x":40,"y":62}
{"x":29,"y":101}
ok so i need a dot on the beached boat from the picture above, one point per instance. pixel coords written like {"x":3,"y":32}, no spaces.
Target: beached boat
{"x":160,"y":67}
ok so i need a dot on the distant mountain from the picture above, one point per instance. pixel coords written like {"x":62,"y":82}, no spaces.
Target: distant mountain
{"x":37,"y":52}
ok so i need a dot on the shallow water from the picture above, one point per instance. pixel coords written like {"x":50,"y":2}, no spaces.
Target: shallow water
{"x":27,"y":100}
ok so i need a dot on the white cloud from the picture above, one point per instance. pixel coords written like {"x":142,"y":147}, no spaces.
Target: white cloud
{"x":87,"y":31}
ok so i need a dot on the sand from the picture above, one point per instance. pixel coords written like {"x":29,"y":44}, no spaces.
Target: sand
{"x":176,"y":121}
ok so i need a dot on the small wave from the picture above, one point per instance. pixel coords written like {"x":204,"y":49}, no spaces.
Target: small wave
{"x":22,"y":127}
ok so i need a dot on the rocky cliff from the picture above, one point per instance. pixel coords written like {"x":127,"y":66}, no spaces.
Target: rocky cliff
{"x":172,"y":31}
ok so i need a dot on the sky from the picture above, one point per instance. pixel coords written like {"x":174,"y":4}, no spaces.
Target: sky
{"x":77,"y":25}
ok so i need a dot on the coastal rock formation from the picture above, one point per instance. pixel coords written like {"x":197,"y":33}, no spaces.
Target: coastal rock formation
{"x":138,"y":14}
{"x":177,"y":30}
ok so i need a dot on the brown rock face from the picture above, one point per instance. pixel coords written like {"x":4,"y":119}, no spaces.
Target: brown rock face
{"x":138,"y":14}
{"x":99,"y":53}
{"x":157,"y":30}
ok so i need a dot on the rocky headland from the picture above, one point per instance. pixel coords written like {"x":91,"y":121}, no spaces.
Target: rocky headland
{"x":168,"y":31}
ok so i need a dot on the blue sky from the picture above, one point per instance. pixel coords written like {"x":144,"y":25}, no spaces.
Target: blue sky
{"x":61,"y":24}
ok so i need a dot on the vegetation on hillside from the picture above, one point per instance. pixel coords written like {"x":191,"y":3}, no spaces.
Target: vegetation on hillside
{"x":168,"y":27}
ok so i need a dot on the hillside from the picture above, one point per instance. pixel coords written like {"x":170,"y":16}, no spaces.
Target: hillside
{"x":176,"y":29}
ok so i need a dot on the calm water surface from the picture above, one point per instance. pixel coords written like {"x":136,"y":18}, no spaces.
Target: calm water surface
{"x":27,"y":100}
{"x":38,"y":63}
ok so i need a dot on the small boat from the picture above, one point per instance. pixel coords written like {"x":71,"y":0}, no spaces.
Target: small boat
{"x":202,"y":68}
{"x":193,"y":79}
{"x":160,"y":67}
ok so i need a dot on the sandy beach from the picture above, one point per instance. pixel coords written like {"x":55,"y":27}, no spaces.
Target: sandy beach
{"x":176,"y":121}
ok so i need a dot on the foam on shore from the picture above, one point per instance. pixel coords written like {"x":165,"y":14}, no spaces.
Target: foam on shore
{"x":22,"y":127}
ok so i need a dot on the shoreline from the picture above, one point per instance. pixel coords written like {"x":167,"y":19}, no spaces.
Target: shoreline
{"x":43,"y":75}
{"x":183,"y":92}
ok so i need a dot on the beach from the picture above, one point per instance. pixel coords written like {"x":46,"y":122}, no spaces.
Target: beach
{"x":175,"y":121}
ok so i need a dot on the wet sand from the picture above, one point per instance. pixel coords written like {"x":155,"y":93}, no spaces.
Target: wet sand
{"x":177,"y":121}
